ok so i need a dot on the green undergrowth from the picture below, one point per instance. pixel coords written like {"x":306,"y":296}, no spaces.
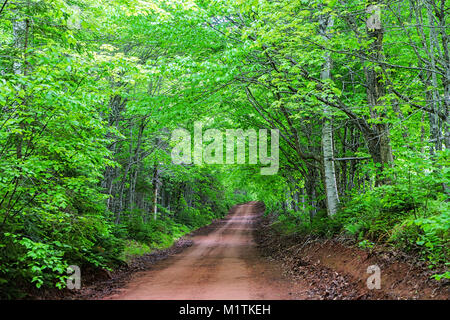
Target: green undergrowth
{"x":414,"y":220}
{"x":134,"y":249}
{"x":145,"y":237}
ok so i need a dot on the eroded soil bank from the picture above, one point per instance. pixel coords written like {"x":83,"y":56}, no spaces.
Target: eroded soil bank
{"x":337,"y":269}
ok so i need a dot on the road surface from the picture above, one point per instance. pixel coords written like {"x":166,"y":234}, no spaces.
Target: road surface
{"x":223,"y":264}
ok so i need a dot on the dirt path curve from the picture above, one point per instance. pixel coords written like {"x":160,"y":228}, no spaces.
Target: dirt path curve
{"x":224,"y":264}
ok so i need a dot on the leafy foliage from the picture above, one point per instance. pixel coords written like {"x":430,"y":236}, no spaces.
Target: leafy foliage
{"x":90,"y":91}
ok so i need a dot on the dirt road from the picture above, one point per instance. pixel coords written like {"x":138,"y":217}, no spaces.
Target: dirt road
{"x":223,"y":264}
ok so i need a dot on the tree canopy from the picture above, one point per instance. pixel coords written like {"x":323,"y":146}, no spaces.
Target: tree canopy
{"x":91,"y":91}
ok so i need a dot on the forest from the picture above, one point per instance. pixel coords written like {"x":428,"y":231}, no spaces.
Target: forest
{"x":91,"y":92}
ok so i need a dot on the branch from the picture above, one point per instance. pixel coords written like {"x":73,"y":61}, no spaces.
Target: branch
{"x":349,"y":158}
{"x":3,"y":6}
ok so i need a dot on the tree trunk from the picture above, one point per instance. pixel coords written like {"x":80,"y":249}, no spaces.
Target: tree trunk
{"x":327,"y":130}
{"x":155,"y":192}
{"x":379,"y":144}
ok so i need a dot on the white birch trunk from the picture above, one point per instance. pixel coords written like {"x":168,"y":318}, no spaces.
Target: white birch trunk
{"x":327,"y":131}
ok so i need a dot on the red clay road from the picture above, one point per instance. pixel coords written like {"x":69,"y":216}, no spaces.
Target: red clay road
{"x":224,"y":264}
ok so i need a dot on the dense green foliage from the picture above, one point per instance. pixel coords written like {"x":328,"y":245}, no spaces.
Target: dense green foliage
{"x":91,"y":90}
